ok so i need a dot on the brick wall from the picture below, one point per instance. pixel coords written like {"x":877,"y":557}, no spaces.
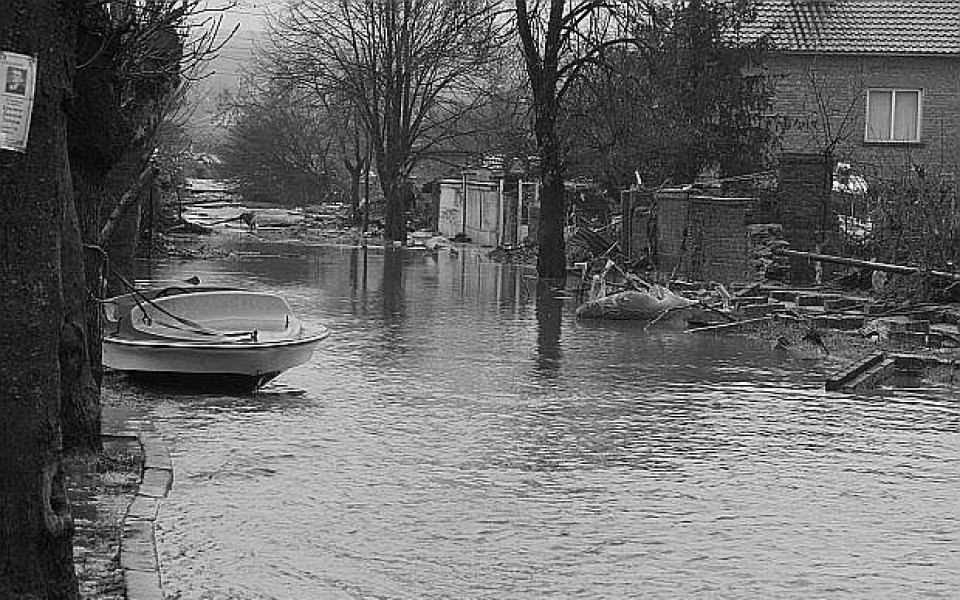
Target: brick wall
{"x":804,"y":208}
{"x":839,"y":84}
{"x":702,"y":238}
{"x":636,"y":208}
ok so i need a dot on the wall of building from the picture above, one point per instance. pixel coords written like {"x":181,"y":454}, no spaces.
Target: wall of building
{"x":479,"y":219}
{"x":450,"y":208}
{"x":638,"y":225}
{"x":838,"y":84}
{"x":804,"y":209}
{"x":702,"y":238}
{"x":483,"y":213}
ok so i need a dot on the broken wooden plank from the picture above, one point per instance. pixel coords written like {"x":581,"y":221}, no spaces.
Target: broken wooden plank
{"x":843,"y":380}
{"x":733,"y":326}
{"x":876,"y":266}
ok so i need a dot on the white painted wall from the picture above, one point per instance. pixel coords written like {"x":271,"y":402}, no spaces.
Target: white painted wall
{"x":483,"y":210}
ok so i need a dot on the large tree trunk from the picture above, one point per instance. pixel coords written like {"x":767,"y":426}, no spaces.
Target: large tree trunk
{"x":36,"y":550}
{"x":394,"y":189}
{"x":544,"y":78}
{"x":551,"y":252}
{"x":79,"y":391}
{"x":94,"y":128}
{"x":394,"y":223}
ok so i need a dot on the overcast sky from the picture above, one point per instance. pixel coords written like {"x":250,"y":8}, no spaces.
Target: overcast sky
{"x":249,"y":17}
{"x":223,"y":72}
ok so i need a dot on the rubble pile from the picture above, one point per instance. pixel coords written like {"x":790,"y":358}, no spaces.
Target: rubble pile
{"x":764,"y":240}
{"x":516,"y":255}
{"x":918,"y":288}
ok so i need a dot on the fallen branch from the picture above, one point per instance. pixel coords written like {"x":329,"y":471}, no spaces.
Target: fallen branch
{"x":735,"y":325}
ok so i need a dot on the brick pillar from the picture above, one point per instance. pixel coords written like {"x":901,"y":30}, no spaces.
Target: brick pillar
{"x":672,"y":208}
{"x":806,"y":181}
{"x":702,"y":238}
{"x":635,"y":208}
{"x":719,"y":239}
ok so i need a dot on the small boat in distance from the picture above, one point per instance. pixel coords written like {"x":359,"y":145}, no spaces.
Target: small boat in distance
{"x":207,"y":335}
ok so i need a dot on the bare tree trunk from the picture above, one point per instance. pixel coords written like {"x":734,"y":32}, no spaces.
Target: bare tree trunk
{"x":79,"y":391}
{"x":36,"y":549}
{"x":354,"y":170}
{"x":551,"y":252}
{"x":544,"y":78}
{"x":394,"y":194}
{"x":130,"y":198}
{"x":94,"y":126}
{"x":394,"y":226}
{"x":121,"y":246}
{"x":88,"y":190}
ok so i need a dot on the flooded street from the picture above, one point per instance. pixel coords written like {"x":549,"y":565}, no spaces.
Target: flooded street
{"x":461,"y":435}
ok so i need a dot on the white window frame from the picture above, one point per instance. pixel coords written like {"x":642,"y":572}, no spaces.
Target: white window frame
{"x":893,"y":112}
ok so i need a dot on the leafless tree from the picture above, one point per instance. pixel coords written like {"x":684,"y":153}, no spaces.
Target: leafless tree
{"x":133,"y":60}
{"x":559,"y":39}
{"x":409,"y":68}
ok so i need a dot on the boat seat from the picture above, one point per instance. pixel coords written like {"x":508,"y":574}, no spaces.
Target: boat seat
{"x":217,"y":317}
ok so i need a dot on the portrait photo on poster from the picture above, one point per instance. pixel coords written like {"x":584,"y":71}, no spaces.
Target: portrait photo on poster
{"x":16,"y":81}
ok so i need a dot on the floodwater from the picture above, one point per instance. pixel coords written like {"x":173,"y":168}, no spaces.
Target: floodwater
{"x":461,"y":435}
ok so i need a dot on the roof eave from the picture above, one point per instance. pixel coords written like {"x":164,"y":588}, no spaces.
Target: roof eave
{"x":955,"y":54}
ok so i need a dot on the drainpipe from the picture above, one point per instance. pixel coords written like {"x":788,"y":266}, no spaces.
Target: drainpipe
{"x":519,"y":212}
{"x":501,"y":216}
{"x":463,"y":225}
{"x":480,"y":211}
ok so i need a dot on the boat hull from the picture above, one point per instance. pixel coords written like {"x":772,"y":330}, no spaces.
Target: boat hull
{"x":217,"y":335}
{"x":201,"y":383}
{"x":252,"y":359}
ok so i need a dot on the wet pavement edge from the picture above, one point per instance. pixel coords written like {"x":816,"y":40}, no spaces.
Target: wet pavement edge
{"x":138,"y":551}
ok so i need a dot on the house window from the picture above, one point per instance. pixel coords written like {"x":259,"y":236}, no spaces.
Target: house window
{"x":893,"y":115}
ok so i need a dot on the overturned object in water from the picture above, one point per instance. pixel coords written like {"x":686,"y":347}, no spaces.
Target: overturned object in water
{"x":634,"y":304}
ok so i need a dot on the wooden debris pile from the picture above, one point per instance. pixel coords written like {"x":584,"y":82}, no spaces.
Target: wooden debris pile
{"x":812,"y":321}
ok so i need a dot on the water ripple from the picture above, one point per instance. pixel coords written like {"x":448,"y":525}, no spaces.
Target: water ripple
{"x":462,"y":436}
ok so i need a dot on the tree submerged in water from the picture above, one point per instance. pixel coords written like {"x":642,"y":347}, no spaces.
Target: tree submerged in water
{"x":662,"y":89}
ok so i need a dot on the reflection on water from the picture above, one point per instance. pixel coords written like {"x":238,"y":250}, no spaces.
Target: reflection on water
{"x":549,"y":313}
{"x":461,"y":435}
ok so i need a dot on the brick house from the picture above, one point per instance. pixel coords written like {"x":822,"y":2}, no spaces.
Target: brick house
{"x":876,"y":82}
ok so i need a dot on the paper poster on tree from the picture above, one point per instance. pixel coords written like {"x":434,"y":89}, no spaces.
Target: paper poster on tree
{"x":18,"y":77}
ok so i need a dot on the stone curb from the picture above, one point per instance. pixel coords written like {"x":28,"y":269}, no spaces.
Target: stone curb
{"x":138,"y":546}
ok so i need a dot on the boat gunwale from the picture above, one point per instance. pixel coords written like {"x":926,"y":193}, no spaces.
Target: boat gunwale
{"x":233,"y":345}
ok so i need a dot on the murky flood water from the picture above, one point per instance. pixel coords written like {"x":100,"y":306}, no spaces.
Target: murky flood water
{"x":461,"y":435}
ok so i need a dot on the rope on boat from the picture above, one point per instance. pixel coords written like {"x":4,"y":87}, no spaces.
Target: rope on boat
{"x":191,"y":326}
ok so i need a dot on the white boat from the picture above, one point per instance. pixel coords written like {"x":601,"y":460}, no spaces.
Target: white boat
{"x":231,"y":336}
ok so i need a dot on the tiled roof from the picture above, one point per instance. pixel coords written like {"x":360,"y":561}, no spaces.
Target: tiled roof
{"x":859,"y":26}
